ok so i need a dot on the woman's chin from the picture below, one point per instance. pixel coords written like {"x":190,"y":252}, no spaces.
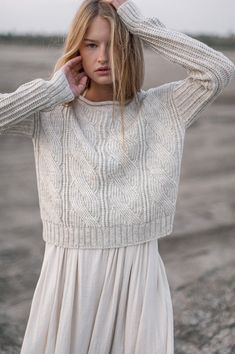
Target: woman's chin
{"x":103,"y":81}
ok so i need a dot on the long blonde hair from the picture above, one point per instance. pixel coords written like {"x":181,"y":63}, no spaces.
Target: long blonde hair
{"x":126,"y":49}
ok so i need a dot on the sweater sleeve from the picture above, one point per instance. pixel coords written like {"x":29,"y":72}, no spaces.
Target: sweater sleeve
{"x":19,"y":108}
{"x":208,"y":71}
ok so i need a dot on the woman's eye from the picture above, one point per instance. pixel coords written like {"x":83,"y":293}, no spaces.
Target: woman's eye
{"x":91,"y":45}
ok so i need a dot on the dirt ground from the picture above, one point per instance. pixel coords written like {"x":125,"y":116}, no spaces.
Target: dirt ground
{"x":198,"y":255}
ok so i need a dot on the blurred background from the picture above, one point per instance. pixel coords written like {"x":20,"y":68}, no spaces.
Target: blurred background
{"x":199,"y":254}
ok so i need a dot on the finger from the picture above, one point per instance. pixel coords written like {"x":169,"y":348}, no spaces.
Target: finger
{"x":77,"y":67}
{"x":78,"y":77}
{"x":76,"y":71}
{"x":74,"y":61}
{"x":82,"y":84}
{"x":83,"y":80}
{"x":80,"y":70}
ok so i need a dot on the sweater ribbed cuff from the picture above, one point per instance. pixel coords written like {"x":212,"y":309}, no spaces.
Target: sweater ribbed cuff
{"x":130,"y":13}
{"x":59,"y":90}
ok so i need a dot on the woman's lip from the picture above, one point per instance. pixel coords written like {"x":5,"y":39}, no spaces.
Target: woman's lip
{"x":103,"y":72}
{"x":106,"y":69}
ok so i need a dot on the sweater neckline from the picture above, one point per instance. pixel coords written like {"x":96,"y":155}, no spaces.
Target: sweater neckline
{"x":100,"y":103}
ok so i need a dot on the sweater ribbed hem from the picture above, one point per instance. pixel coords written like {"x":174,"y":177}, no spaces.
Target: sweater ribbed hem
{"x":106,"y":237}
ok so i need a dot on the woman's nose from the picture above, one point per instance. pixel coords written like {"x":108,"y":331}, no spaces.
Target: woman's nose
{"x":103,"y":56}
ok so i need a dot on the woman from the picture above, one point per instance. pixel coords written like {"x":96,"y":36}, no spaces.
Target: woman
{"x":103,"y":286}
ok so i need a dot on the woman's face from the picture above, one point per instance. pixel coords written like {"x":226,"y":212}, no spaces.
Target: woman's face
{"x":94,"y":51}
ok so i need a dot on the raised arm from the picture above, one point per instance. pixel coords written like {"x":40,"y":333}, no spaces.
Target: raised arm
{"x":209,"y":71}
{"x":18,"y":109}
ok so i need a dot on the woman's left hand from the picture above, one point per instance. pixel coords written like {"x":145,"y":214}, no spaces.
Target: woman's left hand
{"x":116,"y":3}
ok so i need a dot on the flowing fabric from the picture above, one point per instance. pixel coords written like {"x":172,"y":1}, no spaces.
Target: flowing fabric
{"x":101,"y":301}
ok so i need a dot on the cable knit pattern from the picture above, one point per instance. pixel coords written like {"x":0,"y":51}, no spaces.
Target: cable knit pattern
{"x":92,"y":193}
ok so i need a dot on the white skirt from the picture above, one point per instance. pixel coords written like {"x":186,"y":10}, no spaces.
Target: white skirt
{"x":102,"y":301}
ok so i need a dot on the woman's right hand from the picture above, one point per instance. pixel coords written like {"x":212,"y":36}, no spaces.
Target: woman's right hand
{"x":75,"y":75}
{"x":116,"y":3}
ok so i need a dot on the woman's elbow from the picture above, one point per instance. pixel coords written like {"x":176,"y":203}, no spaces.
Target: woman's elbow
{"x":225,"y":73}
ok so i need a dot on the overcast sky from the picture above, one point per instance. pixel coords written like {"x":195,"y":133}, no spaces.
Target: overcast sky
{"x":54,"y":16}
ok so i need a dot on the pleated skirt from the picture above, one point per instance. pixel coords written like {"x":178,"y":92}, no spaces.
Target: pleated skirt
{"x":101,"y":301}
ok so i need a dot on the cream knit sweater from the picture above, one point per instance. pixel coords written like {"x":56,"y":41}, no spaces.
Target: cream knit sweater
{"x":92,"y":194}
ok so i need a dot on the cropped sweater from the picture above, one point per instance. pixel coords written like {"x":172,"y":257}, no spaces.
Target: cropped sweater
{"x":92,"y":192}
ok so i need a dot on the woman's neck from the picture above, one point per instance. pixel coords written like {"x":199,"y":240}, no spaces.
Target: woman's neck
{"x":98,"y":93}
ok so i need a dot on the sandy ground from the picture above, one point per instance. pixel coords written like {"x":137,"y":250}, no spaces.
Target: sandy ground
{"x":198,"y":255}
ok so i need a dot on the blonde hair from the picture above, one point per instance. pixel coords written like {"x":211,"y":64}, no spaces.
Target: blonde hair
{"x":126,"y":50}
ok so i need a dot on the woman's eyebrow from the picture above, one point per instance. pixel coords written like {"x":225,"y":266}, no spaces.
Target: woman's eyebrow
{"x":90,"y":40}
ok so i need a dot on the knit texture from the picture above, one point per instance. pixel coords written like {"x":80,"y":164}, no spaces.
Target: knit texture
{"x":92,"y":193}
